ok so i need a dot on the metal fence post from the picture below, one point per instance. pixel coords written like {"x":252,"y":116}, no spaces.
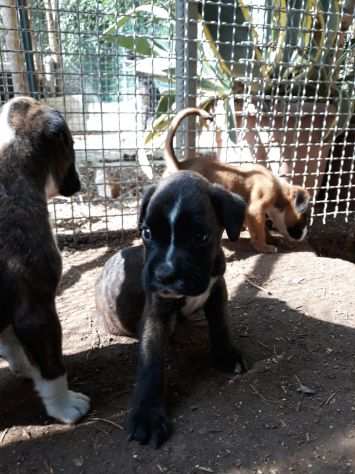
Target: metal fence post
{"x":27,"y":46}
{"x":180,"y":69}
{"x":186,"y":71}
{"x":191,"y":75}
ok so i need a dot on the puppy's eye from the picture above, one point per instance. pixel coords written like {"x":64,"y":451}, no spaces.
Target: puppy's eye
{"x":202,"y":237}
{"x":146,"y":233}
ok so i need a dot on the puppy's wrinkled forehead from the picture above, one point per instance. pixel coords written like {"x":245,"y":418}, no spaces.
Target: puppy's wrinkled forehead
{"x":183,"y":203}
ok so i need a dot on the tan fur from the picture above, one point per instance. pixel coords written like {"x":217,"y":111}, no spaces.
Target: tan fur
{"x":265,"y":193}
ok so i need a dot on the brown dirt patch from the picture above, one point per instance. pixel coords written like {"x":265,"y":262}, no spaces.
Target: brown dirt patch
{"x":298,"y":330}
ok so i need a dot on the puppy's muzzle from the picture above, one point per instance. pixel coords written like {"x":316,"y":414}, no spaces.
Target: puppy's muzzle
{"x":166,"y":282}
{"x":71,"y":182}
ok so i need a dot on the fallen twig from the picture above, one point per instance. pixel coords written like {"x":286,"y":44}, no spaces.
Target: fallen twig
{"x":264,"y":345}
{"x":258,"y":287}
{"x":328,"y":400}
{"x":105,"y":420}
{"x":202,"y":468}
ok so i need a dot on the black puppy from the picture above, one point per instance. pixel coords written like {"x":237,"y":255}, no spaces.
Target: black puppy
{"x":181,"y":223}
{"x":37,"y":161}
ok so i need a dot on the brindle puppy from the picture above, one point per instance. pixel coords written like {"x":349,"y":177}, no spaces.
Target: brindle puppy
{"x":37,"y":161}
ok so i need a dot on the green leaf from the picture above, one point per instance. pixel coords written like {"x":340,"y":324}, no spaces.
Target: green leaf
{"x":160,"y":45}
{"x":159,"y":126}
{"x":166,"y":103}
{"x":140,"y":46}
{"x":207,"y":85}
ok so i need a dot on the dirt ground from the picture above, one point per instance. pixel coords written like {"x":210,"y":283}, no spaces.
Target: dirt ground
{"x":293,"y":316}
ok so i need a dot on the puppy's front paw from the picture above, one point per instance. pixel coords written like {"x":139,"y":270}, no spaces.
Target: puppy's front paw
{"x":60,"y":402}
{"x":146,"y":422}
{"x":68,"y":408}
{"x":229,"y":360}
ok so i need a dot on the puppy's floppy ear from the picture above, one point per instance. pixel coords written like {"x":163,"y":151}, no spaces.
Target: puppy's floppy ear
{"x":230,"y":209}
{"x":54,"y":126}
{"x":146,"y":198}
{"x":301,"y":200}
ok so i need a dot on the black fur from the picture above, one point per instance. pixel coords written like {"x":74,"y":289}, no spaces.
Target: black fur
{"x":205,"y":210}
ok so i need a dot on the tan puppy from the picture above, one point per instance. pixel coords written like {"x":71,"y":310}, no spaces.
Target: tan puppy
{"x":285,"y":204}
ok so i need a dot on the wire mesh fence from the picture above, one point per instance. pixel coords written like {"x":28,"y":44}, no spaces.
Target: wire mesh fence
{"x":278,"y":76}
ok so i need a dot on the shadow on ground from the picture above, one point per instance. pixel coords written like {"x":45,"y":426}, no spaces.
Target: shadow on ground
{"x":75,"y":272}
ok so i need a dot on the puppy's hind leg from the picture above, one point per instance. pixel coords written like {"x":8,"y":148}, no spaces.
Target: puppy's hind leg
{"x":38,"y":329}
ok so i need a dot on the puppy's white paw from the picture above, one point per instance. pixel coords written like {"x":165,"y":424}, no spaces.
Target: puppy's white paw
{"x":70,"y":408}
{"x":60,"y":402}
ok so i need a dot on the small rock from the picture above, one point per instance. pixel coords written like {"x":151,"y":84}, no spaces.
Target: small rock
{"x":78,"y":462}
{"x":306,"y":390}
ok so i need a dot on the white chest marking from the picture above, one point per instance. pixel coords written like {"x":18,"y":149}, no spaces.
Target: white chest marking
{"x":193,"y":303}
{"x":7,"y":133}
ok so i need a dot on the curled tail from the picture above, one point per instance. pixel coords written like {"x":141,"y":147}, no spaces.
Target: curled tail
{"x":169,"y":153}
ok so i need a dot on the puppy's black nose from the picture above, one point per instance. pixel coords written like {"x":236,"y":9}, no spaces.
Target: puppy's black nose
{"x":165,"y":273}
